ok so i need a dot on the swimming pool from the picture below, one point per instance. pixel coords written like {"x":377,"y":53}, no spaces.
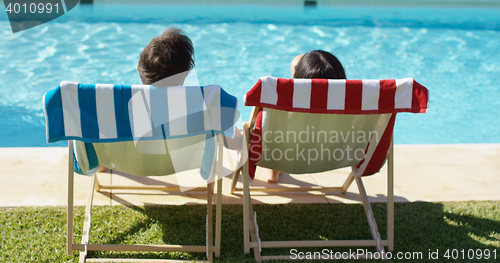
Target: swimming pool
{"x":453,"y":51}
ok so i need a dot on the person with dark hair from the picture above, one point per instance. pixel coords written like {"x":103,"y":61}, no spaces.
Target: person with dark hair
{"x":166,"y":60}
{"x":316,"y":64}
{"x":170,"y":55}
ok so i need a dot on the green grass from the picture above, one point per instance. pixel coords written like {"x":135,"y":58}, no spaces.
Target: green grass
{"x":37,"y":234}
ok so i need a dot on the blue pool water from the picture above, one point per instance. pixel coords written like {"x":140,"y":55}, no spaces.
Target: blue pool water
{"x":454,"y":52}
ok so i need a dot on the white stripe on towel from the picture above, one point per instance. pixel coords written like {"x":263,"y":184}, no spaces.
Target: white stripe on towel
{"x":71,"y":109}
{"x":336,"y":95}
{"x":141,"y":119}
{"x":404,"y":90}
{"x":268,"y":93}
{"x":105,"y":104}
{"x":301,"y":93}
{"x":177,"y":110}
{"x":370,"y":95}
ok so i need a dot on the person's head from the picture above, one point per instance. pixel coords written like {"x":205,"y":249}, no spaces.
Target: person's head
{"x":167,"y":55}
{"x":318,"y":64}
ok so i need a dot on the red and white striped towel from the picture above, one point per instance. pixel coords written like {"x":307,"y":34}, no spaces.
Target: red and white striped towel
{"x":339,"y":96}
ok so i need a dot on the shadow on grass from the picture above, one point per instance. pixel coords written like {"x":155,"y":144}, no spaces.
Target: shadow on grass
{"x":420,"y":229}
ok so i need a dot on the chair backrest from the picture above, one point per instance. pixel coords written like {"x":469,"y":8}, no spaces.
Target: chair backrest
{"x":141,"y":129}
{"x":317,"y":125}
{"x":133,"y":157}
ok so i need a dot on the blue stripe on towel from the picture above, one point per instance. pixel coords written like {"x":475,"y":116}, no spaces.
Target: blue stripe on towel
{"x":157,"y":132}
{"x":163,"y":132}
{"x":122,"y":95}
{"x":228,"y":110}
{"x":88,"y":117}
{"x":208,"y":156}
{"x":54,"y":115}
{"x":195,"y":115}
{"x":91,"y":158}
{"x":209,"y":150}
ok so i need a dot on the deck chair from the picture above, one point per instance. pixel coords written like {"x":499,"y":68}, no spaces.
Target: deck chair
{"x":332,"y":116}
{"x":144,"y":131}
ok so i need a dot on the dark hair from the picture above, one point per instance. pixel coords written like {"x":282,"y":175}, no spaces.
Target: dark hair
{"x":169,"y":54}
{"x":318,"y":64}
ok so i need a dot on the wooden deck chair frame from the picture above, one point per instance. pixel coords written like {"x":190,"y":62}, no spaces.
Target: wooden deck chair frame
{"x":250,"y":226}
{"x":210,"y":248}
{"x":359,"y":97}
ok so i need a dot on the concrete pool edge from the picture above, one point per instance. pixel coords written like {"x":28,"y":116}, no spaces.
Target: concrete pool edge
{"x":432,"y":172}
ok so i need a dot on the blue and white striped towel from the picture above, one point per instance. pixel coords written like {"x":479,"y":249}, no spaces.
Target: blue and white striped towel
{"x":98,"y":113}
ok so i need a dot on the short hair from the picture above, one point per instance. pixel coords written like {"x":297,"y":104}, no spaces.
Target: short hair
{"x":319,"y":64}
{"x":169,"y":54}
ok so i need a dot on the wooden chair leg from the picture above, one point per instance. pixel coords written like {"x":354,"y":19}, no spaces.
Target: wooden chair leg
{"x":249,"y":222}
{"x":69,"y":237}
{"x":369,"y":214}
{"x":246,"y":135}
{"x":246,"y":211}
{"x":218,"y":218}
{"x":347,"y":183}
{"x":390,"y":198}
{"x":97,"y":185}
{"x":87,"y":217}
{"x":236,"y":176}
{"x":254,"y":232}
{"x":210,"y":254}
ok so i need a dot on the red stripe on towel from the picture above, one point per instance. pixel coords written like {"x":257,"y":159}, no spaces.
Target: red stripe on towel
{"x":255,"y":145}
{"x":284,"y":88}
{"x":254,"y":94}
{"x":380,"y":154}
{"x":387,"y":94}
{"x":353,"y":98}
{"x":319,"y":95}
{"x":420,"y":98}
